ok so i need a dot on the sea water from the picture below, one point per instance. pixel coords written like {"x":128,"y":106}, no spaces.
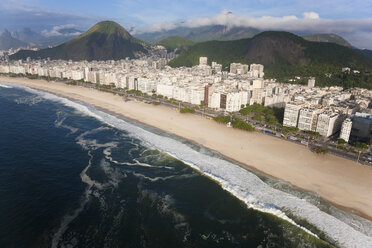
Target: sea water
{"x":74,"y":176}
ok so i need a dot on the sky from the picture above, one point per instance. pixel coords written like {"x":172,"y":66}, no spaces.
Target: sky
{"x":351,"y":19}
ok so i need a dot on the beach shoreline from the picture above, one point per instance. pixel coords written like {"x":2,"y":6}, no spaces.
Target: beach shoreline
{"x":341,"y":182}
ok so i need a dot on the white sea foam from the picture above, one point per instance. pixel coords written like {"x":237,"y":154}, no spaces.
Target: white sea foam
{"x":115,"y":176}
{"x":240,"y":182}
{"x":59,"y":122}
{"x":29,"y":100}
{"x":70,"y":217}
{"x":164,"y":178}
{"x":5,"y":86}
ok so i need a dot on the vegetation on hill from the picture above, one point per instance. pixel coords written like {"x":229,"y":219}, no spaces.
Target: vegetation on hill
{"x":105,"y":41}
{"x":285,"y":56}
{"x":365,"y":52}
{"x":331,"y":38}
{"x":176,"y":42}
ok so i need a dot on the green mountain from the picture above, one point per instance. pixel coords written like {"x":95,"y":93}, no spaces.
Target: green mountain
{"x":332,"y":38}
{"x":105,"y":41}
{"x":283,"y":54}
{"x":7,"y":41}
{"x":200,"y":34}
{"x":365,"y":52}
{"x":175,"y":42}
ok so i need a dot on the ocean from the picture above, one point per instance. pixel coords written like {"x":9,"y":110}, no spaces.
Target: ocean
{"x":74,"y":176}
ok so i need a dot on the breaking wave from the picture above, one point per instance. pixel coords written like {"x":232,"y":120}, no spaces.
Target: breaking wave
{"x":5,"y":86}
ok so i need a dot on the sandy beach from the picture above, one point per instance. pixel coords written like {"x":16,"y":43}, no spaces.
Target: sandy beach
{"x":344,"y":183}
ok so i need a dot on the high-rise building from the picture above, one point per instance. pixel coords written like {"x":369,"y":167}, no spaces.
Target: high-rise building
{"x":311,"y":82}
{"x":238,"y":68}
{"x":203,"y":61}
{"x":329,"y":123}
{"x":362,"y":128}
{"x":223,"y":101}
{"x":308,"y":119}
{"x":256,"y":71}
{"x":291,"y":113}
{"x":346,"y":129}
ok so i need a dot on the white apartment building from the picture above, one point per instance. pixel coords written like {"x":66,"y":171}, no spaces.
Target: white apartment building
{"x":346,"y":129}
{"x":257,"y":96}
{"x":203,"y":61}
{"x":276,"y":100}
{"x":165,"y":90}
{"x":146,"y":85}
{"x":77,"y":75}
{"x":256,"y":71}
{"x":196,"y":95}
{"x":311,"y":82}
{"x":235,"y":100}
{"x":238,"y":68}
{"x":215,"y":100}
{"x":329,"y":123}
{"x":308,"y":119}
{"x":291,"y":113}
{"x":181,"y":94}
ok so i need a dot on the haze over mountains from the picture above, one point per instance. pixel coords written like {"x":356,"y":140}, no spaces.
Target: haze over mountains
{"x":7,"y":41}
{"x":26,"y":37}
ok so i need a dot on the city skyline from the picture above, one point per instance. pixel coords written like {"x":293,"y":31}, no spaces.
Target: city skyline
{"x":349,"y":19}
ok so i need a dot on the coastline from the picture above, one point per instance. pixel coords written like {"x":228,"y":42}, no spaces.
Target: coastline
{"x":341,"y":182}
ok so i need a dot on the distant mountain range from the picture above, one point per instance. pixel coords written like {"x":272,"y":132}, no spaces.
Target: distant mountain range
{"x":105,"y":41}
{"x":200,"y":34}
{"x":220,"y":32}
{"x":7,"y":41}
{"x":43,"y":40}
{"x":283,"y":54}
{"x":25,"y":37}
{"x":365,"y":52}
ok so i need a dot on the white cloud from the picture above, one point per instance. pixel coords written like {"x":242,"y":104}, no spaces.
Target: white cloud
{"x":56,"y":31}
{"x":289,"y":23}
{"x":311,"y":15}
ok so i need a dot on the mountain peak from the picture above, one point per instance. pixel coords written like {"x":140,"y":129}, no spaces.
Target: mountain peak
{"x":278,"y":35}
{"x":6,"y":33}
{"x":331,"y":38}
{"x":108,"y":28}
